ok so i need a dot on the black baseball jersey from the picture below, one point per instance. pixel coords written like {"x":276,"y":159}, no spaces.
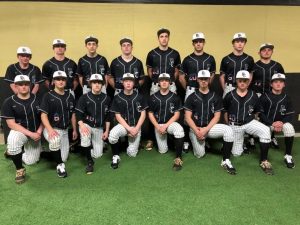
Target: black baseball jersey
{"x":67,"y":65}
{"x":33,"y":72}
{"x":59,"y":108}
{"x":241,"y":110}
{"x":163,"y":62}
{"x":25,"y":111}
{"x":88,"y":66}
{"x":119,"y":66}
{"x":164,"y":107}
{"x":193,"y":63}
{"x":93,"y":109}
{"x":276,"y":108}
{"x":231,"y":64}
{"x":262,"y":74}
{"x":203,"y":107}
{"x":129,"y":106}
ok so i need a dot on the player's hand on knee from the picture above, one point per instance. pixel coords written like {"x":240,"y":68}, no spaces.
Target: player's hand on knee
{"x":74,"y":134}
{"x":35,"y":136}
{"x":52,"y":134}
{"x":105,"y":135}
{"x":134,"y":131}
{"x":84,"y":130}
{"x":163,"y":129}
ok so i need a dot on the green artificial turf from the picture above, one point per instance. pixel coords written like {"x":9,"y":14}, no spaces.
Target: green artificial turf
{"x":145,"y":190}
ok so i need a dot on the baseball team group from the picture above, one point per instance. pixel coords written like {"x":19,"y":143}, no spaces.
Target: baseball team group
{"x":254,"y":105}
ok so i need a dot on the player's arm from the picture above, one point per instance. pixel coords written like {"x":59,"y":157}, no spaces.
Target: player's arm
{"x":139,"y":124}
{"x":153,"y":120}
{"x":35,"y":88}
{"x":111,"y":81}
{"x":11,"y":123}
{"x":74,"y":127}
{"x":214,"y":121}
{"x":222,"y":80}
{"x":150,"y":72}
{"x":121,"y":121}
{"x":226,"y":118}
{"x":188,"y":118}
{"x":182,"y":79}
{"x":212,"y":77}
{"x":45,"y":120}
{"x":173,"y":119}
{"x":80,"y":78}
{"x":176,"y":74}
{"x":106,"y":131}
{"x":75,"y":83}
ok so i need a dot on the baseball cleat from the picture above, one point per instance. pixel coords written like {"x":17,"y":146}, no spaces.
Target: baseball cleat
{"x":226,"y":164}
{"x":274,"y":143}
{"x":20,"y":176}
{"x":115,"y":162}
{"x":288,"y":159}
{"x":61,"y":170}
{"x":177,"y":164}
{"x":149,"y":145}
{"x":267,"y":167}
{"x":90,"y":167}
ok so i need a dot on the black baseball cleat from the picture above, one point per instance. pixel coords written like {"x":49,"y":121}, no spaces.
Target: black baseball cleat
{"x":267,"y":167}
{"x":289,"y":162}
{"x":274,"y":143}
{"x":115,"y":162}
{"x":226,"y":164}
{"x":177,"y":164}
{"x":90,"y":167}
{"x":61,"y":170}
{"x":20,"y":176}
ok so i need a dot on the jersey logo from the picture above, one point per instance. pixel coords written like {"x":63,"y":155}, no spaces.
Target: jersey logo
{"x":282,"y":110}
{"x":102,"y":69}
{"x":70,"y":72}
{"x":71,"y":105}
{"x":232,"y":118}
{"x":89,"y":118}
{"x":136,"y":72}
{"x":171,"y":62}
{"x":105,"y":108}
{"x":208,"y":67}
{"x":138,"y":107}
{"x":56,"y":117}
{"x":196,"y":116}
{"x":172,"y":107}
{"x":250,"y":110}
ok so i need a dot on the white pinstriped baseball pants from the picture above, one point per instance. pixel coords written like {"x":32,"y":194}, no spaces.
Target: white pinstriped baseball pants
{"x":287,"y":130}
{"x":133,"y":143}
{"x":32,"y":149}
{"x":217,"y":131}
{"x":62,"y":142}
{"x":174,"y":129}
{"x":254,"y":128}
{"x":95,"y":138}
{"x":155,"y":88}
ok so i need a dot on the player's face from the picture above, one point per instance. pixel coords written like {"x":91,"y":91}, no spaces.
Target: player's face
{"x":60,"y":82}
{"x":23,"y":88}
{"x":243,"y":84}
{"x":198,"y":45}
{"x":164,"y":84}
{"x":24,"y":58}
{"x":203,"y":82}
{"x":91,"y":47}
{"x":277,"y":85}
{"x":266,"y":53}
{"x":126,"y":48}
{"x":96,"y":86}
{"x":239,"y":45}
{"x":128,"y":85}
{"x":163,"y":39}
{"x":59,"y":49}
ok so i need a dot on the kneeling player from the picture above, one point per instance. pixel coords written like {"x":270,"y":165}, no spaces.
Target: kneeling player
{"x":22,"y":116}
{"x":240,"y":106}
{"x":129,"y":108}
{"x":92,"y":115}
{"x":202,"y":113}
{"x":277,"y":113}
{"x":57,"y":111}
{"x":164,"y":111}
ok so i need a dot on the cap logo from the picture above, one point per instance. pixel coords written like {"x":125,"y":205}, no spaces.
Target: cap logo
{"x":22,"y":77}
{"x":96,"y":76}
{"x":24,"y":50}
{"x":197,"y":35}
{"x":243,"y":74}
{"x":278,"y":75}
{"x":59,"y":73}
{"x":58,"y":41}
{"x":239,"y":35}
{"x":203,"y":72}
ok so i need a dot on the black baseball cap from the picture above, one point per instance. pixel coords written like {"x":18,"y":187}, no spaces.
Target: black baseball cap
{"x":163,"y":30}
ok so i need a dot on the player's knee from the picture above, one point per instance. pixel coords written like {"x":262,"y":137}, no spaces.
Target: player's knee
{"x":179,"y":133}
{"x":96,"y":154}
{"x":163,"y":150}
{"x":85,"y":141}
{"x":132,"y":152}
{"x":228,"y":134}
{"x":30,"y":160}
{"x":264,"y":134}
{"x":199,"y":154}
{"x":288,"y":130}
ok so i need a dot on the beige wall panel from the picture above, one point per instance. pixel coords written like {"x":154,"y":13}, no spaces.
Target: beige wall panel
{"x":37,"y":24}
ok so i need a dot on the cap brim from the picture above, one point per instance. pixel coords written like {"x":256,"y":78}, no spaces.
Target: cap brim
{"x":267,"y":46}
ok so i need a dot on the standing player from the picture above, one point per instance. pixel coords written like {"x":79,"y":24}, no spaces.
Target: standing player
{"x":192,"y":64}
{"x":24,"y":67}
{"x":277,"y":113}
{"x":129,"y":107}
{"x":62,"y":63}
{"x":91,"y":63}
{"x":22,"y":116}
{"x":202,"y":113}
{"x":240,"y":106}
{"x":92,"y":115}
{"x":164,"y":111}
{"x":234,"y":62}
{"x":125,"y":63}
{"x":163,"y":59}
{"x":263,"y":71}
{"x":57,"y":111}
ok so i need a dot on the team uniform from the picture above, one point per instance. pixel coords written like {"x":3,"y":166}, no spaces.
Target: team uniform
{"x":93,"y":110}
{"x":67,"y":65}
{"x":230,"y":65}
{"x":59,"y":109}
{"x":88,"y":66}
{"x":33,"y":72}
{"x":163,"y":108}
{"x":130,"y":108}
{"x":163,"y":62}
{"x":191,"y":65}
{"x":262,"y":74}
{"x":279,"y":108}
{"x":119,"y":66}
{"x":25,"y":113}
